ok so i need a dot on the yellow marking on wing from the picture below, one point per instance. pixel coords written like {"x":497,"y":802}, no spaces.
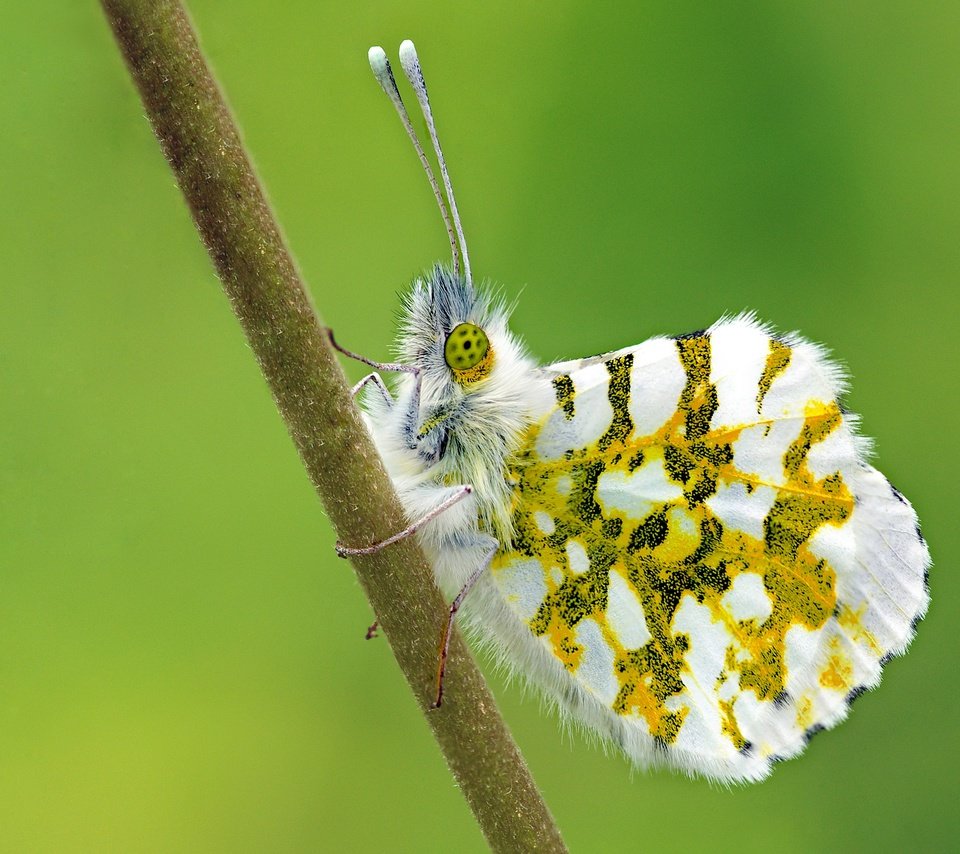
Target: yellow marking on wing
{"x":729,"y":726}
{"x":852,"y":623}
{"x":777,"y":361}
{"x":838,"y":671}
{"x":816,"y":413}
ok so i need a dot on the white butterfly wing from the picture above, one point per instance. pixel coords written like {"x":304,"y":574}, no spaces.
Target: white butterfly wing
{"x":712,"y":568}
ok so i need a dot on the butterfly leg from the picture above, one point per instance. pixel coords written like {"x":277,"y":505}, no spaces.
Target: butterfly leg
{"x":454,"y":607}
{"x":380,"y":366}
{"x":374,"y":379}
{"x":410,"y":427}
{"x":372,"y":631}
{"x":457,"y":494}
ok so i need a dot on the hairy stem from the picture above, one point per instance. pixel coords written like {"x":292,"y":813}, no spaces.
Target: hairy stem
{"x":204,"y":149}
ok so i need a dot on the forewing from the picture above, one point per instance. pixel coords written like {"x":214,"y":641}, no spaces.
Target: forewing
{"x":700,"y":543}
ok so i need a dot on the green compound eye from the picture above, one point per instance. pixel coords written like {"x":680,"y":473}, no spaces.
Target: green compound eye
{"x":466,"y":348}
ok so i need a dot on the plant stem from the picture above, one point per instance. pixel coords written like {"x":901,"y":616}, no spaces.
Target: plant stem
{"x":204,"y":149}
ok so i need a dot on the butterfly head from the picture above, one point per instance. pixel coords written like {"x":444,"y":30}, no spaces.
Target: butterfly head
{"x":456,"y":335}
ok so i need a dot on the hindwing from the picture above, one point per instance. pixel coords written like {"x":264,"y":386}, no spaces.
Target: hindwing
{"x":700,"y":544}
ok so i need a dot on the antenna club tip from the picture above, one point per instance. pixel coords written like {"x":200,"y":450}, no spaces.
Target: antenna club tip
{"x":378,"y":59}
{"x":407,"y":50}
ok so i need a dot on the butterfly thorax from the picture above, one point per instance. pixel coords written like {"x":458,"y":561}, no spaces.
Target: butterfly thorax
{"x":480,"y":448}
{"x":469,"y":424}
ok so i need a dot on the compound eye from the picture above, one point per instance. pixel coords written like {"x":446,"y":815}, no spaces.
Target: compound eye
{"x":466,"y":348}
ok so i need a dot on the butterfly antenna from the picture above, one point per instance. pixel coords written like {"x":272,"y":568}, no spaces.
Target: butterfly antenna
{"x":411,"y":67}
{"x":384,"y":74}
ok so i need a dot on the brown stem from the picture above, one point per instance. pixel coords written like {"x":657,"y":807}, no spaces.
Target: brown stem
{"x":204,"y":149}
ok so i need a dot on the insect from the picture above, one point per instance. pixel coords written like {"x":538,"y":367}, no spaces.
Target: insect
{"x":680,"y":542}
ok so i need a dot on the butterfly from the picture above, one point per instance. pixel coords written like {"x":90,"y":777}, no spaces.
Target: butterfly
{"x":680,"y":543}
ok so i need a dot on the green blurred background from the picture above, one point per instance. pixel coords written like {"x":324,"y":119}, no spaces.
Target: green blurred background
{"x":182,"y":663}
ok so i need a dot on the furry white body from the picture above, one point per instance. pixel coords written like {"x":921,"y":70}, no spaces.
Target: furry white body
{"x":456,"y":434}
